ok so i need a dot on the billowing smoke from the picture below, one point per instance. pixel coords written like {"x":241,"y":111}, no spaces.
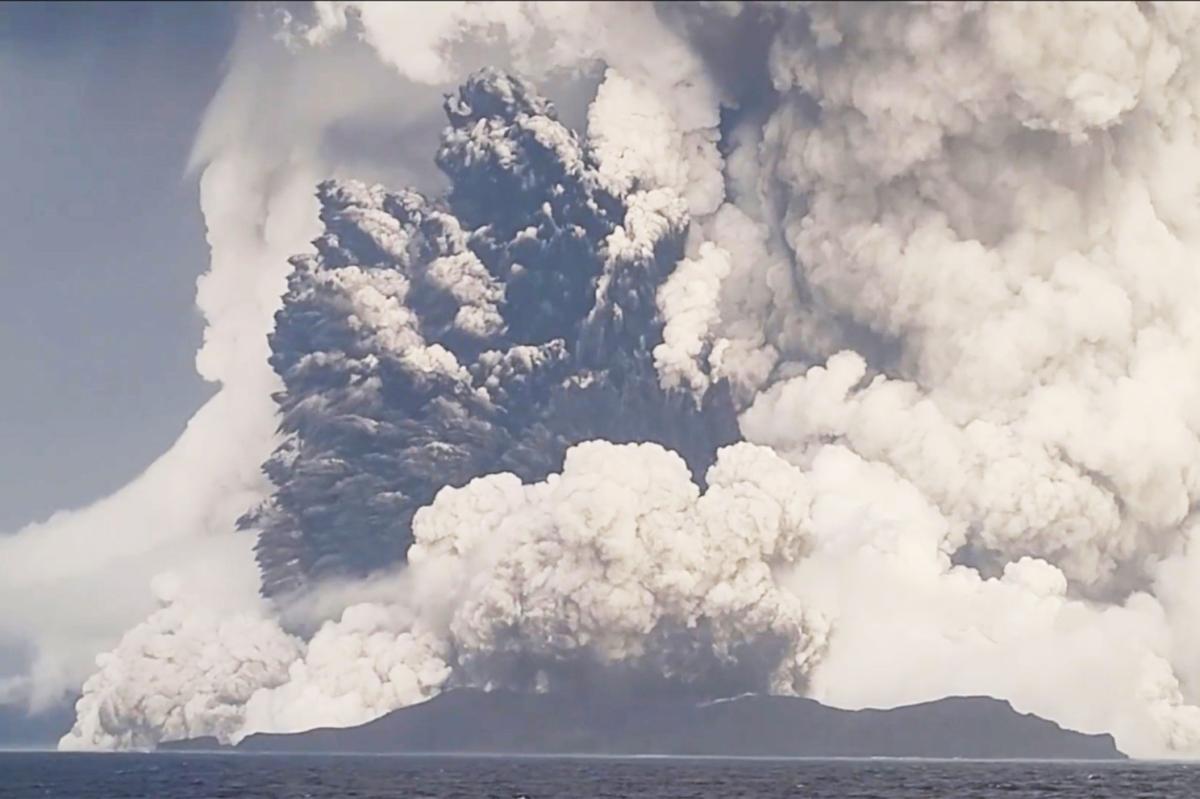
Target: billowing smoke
{"x":425,"y":344}
{"x":187,"y":668}
{"x":620,"y":561}
{"x":623,"y":557}
{"x":934,"y":263}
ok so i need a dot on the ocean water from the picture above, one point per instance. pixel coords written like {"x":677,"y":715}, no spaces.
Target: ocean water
{"x":187,"y":776}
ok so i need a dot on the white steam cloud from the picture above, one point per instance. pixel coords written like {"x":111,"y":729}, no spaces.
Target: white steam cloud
{"x":943,"y":257}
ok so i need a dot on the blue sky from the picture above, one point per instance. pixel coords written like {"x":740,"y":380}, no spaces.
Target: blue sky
{"x":101,"y":240}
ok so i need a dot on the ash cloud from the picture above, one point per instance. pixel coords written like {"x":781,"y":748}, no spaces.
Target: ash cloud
{"x":428,"y":342}
{"x":935,"y":263}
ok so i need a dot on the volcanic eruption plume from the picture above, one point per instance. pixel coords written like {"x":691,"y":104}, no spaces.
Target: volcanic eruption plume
{"x":861,"y":366}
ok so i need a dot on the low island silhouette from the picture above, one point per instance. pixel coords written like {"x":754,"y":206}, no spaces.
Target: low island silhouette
{"x":468,"y":721}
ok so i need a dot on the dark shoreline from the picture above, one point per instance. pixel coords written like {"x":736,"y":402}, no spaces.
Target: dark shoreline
{"x":502,"y":724}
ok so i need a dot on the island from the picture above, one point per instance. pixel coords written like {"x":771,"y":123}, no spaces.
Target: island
{"x":468,"y":721}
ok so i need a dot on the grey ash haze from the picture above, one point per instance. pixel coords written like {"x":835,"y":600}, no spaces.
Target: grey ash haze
{"x":841,"y":351}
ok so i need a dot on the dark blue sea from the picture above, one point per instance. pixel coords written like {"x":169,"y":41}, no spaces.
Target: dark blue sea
{"x":187,"y":776}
